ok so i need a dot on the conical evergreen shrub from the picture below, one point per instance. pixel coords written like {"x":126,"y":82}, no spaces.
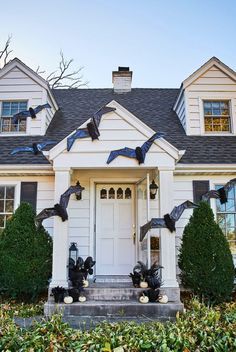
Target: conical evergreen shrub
{"x":205,"y":259}
{"x":25,"y":255}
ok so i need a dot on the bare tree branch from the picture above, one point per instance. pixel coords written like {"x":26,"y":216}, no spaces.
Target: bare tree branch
{"x":5,"y":53}
{"x":64,"y":78}
{"x":38,"y":71}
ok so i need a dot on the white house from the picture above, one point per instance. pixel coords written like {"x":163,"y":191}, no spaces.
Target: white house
{"x":197,"y":153}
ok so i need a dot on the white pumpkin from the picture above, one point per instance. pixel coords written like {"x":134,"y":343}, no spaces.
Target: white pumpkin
{"x":163,"y":299}
{"x":68,"y":300}
{"x":143,"y":299}
{"x":143,"y":284}
{"x":85,"y":283}
{"x":82,"y":299}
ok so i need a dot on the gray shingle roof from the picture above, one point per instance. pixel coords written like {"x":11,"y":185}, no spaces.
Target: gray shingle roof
{"x":152,"y":106}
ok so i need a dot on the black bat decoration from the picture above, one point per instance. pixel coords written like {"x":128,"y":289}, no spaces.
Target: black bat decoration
{"x":92,"y":127}
{"x":138,"y":153}
{"x":168,"y":221}
{"x":221,"y":193}
{"x":31,"y":112}
{"x":59,"y":209}
{"x":35,"y":149}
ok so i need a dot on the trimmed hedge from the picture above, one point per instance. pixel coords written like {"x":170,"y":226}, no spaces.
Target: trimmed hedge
{"x":205,"y":259}
{"x":25,"y":256}
{"x":199,"y":329}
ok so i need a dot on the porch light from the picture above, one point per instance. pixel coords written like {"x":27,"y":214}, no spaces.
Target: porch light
{"x":78,"y":196}
{"x":73,"y":251}
{"x":153,"y":190}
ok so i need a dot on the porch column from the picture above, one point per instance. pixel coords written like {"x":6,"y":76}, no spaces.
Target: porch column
{"x":167,"y":240}
{"x":60,"y":233}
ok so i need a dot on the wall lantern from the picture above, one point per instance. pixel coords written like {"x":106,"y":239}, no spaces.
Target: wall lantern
{"x":78,"y":195}
{"x":73,"y":251}
{"x":153,"y":190}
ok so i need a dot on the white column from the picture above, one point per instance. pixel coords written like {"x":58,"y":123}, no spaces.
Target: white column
{"x":60,"y":233}
{"x":167,"y":243}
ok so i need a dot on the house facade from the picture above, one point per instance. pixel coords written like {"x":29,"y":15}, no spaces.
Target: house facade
{"x":197,"y":153}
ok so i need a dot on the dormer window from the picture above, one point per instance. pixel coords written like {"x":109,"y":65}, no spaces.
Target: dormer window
{"x":217,"y":116}
{"x":9,"y":109}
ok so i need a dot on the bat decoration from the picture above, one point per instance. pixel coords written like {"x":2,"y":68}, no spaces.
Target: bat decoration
{"x":35,"y":149}
{"x":221,"y":193}
{"x":168,"y":221}
{"x":31,"y":112}
{"x":138,"y":153}
{"x":59,"y":209}
{"x":92,"y":127}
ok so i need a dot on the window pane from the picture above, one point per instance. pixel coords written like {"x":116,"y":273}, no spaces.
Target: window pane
{"x":22,"y":106}
{"x":2,"y":218}
{"x":2,"y":190}
{"x":230,"y":220}
{"x":111,"y":193}
{"x":103,"y":193}
{"x":120,"y":193}
{"x":128,"y":193}
{"x":1,"y":206}
{"x":9,"y":206}
{"x":10,"y":192}
{"x":232,"y":246}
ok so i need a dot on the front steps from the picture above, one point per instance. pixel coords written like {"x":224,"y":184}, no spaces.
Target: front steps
{"x":115,"y":300}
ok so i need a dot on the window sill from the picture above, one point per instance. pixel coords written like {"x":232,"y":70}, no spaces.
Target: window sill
{"x":11,"y":134}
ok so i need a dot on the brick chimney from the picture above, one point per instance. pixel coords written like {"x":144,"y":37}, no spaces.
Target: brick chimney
{"x":121,"y":80}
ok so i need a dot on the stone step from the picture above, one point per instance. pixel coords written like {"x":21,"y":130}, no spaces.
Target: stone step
{"x":115,"y":309}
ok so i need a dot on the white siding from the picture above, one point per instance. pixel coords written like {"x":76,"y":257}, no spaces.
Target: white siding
{"x":17,"y":85}
{"x":213,"y":84}
{"x":180,"y":110}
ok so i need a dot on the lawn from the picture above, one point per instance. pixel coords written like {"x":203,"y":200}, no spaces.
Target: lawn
{"x":199,"y":329}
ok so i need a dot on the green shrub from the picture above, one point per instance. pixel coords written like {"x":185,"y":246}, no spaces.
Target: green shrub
{"x":25,"y":255}
{"x":205,"y":259}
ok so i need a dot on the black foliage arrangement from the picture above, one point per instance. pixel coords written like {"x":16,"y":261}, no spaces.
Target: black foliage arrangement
{"x":59,"y":294}
{"x":79,"y":271}
{"x":205,"y":259}
{"x":151,"y":276}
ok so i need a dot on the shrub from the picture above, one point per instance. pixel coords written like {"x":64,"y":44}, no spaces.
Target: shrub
{"x":25,"y":255}
{"x":205,"y":259}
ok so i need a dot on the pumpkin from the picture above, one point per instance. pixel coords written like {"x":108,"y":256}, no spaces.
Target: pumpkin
{"x":143,"y":299}
{"x":85,"y":283}
{"x":82,"y":299}
{"x":68,"y":300}
{"x":143,"y":284}
{"x":163,"y":299}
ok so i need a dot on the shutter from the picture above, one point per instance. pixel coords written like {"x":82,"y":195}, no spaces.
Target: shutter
{"x":199,"y":188}
{"x":29,"y":193}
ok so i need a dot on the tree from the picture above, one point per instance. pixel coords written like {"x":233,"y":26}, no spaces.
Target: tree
{"x":63,"y":77}
{"x":205,"y":259}
{"x":25,"y":255}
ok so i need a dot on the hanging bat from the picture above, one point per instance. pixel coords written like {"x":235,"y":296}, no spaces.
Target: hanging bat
{"x":31,"y":112}
{"x":221,"y":193}
{"x":59,"y":209}
{"x":92,"y":127}
{"x":168,"y":221}
{"x":138,"y":153}
{"x":35,"y":149}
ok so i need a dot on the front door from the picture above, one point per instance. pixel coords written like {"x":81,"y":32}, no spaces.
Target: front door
{"x":115,"y":241}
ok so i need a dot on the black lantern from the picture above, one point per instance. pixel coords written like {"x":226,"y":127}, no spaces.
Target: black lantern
{"x":78,"y":196}
{"x":73,"y":251}
{"x":153,"y":190}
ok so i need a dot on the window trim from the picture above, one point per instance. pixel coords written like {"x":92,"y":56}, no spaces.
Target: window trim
{"x":11,"y":133}
{"x":16,"y":184}
{"x":202,"y":119}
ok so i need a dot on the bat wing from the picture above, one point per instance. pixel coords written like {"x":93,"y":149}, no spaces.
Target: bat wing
{"x":21,"y":149}
{"x":98,"y":115}
{"x":178,"y":211}
{"x":210,"y":194}
{"x":147,"y":145}
{"x":81,"y":133}
{"x":41,"y":107}
{"x":229,"y":185}
{"x":65,"y":197}
{"x":154,"y":223}
{"x":45,"y":214}
{"x":130,"y":153}
{"x":20,"y":115}
{"x":44,"y":144}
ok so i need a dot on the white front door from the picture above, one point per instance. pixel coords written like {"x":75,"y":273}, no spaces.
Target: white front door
{"x":115,"y":244}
